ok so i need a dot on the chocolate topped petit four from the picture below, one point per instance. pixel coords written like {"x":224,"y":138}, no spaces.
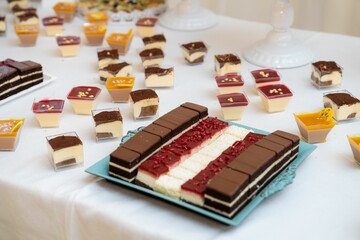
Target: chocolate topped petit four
{"x":27,"y":18}
{"x":194,"y":52}
{"x":145,"y":103}
{"x":107,"y":56}
{"x":344,"y":105}
{"x":108,"y":123}
{"x":151,"y":57}
{"x":122,"y":69}
{"x":326,"y":74}
{"x":155,"y":41}
{"x":159,"y":77}
{"x":227,"y":63}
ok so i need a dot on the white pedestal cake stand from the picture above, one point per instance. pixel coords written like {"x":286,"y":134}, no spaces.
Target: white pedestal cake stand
{"x":279,"y":49}
{"x":188,"y":16}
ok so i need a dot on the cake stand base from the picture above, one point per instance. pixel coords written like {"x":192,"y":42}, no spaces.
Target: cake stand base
{"x":278,"y":50}
{"x":188,"y":21}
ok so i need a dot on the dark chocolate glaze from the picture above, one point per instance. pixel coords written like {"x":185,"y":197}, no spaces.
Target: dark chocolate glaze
{"x":107,"y":116}
{"x":61,"y":142}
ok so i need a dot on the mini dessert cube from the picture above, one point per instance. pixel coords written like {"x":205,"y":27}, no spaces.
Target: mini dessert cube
{"x":121,"y":41}
{"x":66,"y":150}
{"x":344,"y":105}
{"x":14,"y":3}
{"x":326,"y":74}
{"x":122,"y":69}
{"x":48,"y":111}
{"x":227,"y":63}
{"x":27,"y":18}
{"x":10,"y":133}
{"x":263,"y":77}
{"x":2,"y":24}
{"x":159,"y":77}
{"x":151,"y":57}
{"x":17,"y":10}
{"x":119,"y":88}
{"x":69,"y":45}
{"x":194,"y":52}
{"x":315,"y":126}
{"x":275,"y":97}
{"x":145,"y":103}
{"x":53,"y":25}
{"x":27,"y":34}
{"x":108,"y":123}
{"x":107,"y":56}
{"x":354,"y":141}
{"x":66,"y":10}
{"x":146,"y":26}
{"x":155,"y":41}
{"x":97,"y":17}
{"x":229,"y":83}
{"x":233,"y":105}
{"x":83,"y":98}
{"x":94,"y":32}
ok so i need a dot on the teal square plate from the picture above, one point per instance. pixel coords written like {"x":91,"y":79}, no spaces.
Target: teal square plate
{"x":284,"y":178}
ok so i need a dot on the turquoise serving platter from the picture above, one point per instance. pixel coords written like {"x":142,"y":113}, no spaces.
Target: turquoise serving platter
{"x":284,"y":178}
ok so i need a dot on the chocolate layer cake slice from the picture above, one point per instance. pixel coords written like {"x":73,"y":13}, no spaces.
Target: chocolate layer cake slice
{"x":344,"y":105}
{"x":9,"y":77}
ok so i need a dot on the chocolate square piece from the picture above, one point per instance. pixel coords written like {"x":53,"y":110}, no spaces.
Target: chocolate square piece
{"x":163,"y":132}
{"x":143,"y":143}
{"x":203,"y":111}
{"x":125,"y":157}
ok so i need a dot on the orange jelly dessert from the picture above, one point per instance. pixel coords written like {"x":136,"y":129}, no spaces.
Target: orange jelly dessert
{"x":9,"y":133}
{"x":315,"y":126}
{"x":27,"y":33}
{"x":97,"y":17}
{"x":66,"y":10}
{"x":119,"y":88}
{"x":354,"y":141}
{"x":121,"y":41}
{"x":94,"y":33}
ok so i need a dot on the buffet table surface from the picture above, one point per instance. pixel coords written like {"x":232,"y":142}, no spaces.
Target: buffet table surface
{"x":38,"y":203}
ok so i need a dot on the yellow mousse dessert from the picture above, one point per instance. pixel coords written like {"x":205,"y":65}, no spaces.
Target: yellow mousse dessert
{"x":9,"y":133}
{"x":94,"y":33}
{"x":315,"y":126}
{"x":66,"y":10}
{"x":121,"y":41}
{"x":119,"y":88}
{"x":354,"y":141}
{"x":27,"y":33}
{"x":97,"y":17}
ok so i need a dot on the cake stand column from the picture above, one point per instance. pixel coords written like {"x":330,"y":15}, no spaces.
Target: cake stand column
{"x":188,"y":16}
{"x":279,"y":49}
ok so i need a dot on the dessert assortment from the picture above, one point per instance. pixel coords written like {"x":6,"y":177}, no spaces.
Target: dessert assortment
{"x":184,"y":154}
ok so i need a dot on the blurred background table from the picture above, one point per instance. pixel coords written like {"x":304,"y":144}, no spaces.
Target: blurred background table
{"x":38,"y":203}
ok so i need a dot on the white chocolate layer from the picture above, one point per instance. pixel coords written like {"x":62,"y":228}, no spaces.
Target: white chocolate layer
{"x":115,"y":128}
{"x":160,"y":81}
{"x":48,"y":120}
{"x":69,"y":50}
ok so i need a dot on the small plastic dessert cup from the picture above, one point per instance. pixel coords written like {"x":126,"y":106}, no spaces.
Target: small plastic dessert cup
{"x":119,"y":88}
{"x":108,"y":123}
{"x":229,"y":83}
{"x":27,"y":33}
{"x":83,"y":98}
{"x":326,"y":74}
{"x":66,"y":10}
{"x":266,"y":76}
{"x":97,"y":17}
{"x":233,"y":105}
{"x":121,"y":41}
{"x":354,"y":141}
{"x":65,"y":150}
{"x":346,"y":106}
{"x":315,"y":126}
{"x":48,"y":111}
{"x":275,"y":97}
{"x":69,"y":45}
{"x":10,"y":133}
{"x":144,"y":103}
{"x":94,"y":33}
{"x":53,"y":25}
{"x":146,"y":26}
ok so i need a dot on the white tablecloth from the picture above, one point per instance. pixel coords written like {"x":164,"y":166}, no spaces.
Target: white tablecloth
{"x":38,"y":203}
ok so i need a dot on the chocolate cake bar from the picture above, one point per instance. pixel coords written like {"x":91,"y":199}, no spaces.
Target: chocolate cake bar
{"x":159,"y":77}
{"x":115,"y":70}
{"x":326,"y":74}
{"x":29,"y":74}
{"x":344,"y":105}
{"x":229,"y":190}
{"x":107,"y":57}
{"x":155,"y":41}
{"x":194,"y":52}
{"x":125,"y":160}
